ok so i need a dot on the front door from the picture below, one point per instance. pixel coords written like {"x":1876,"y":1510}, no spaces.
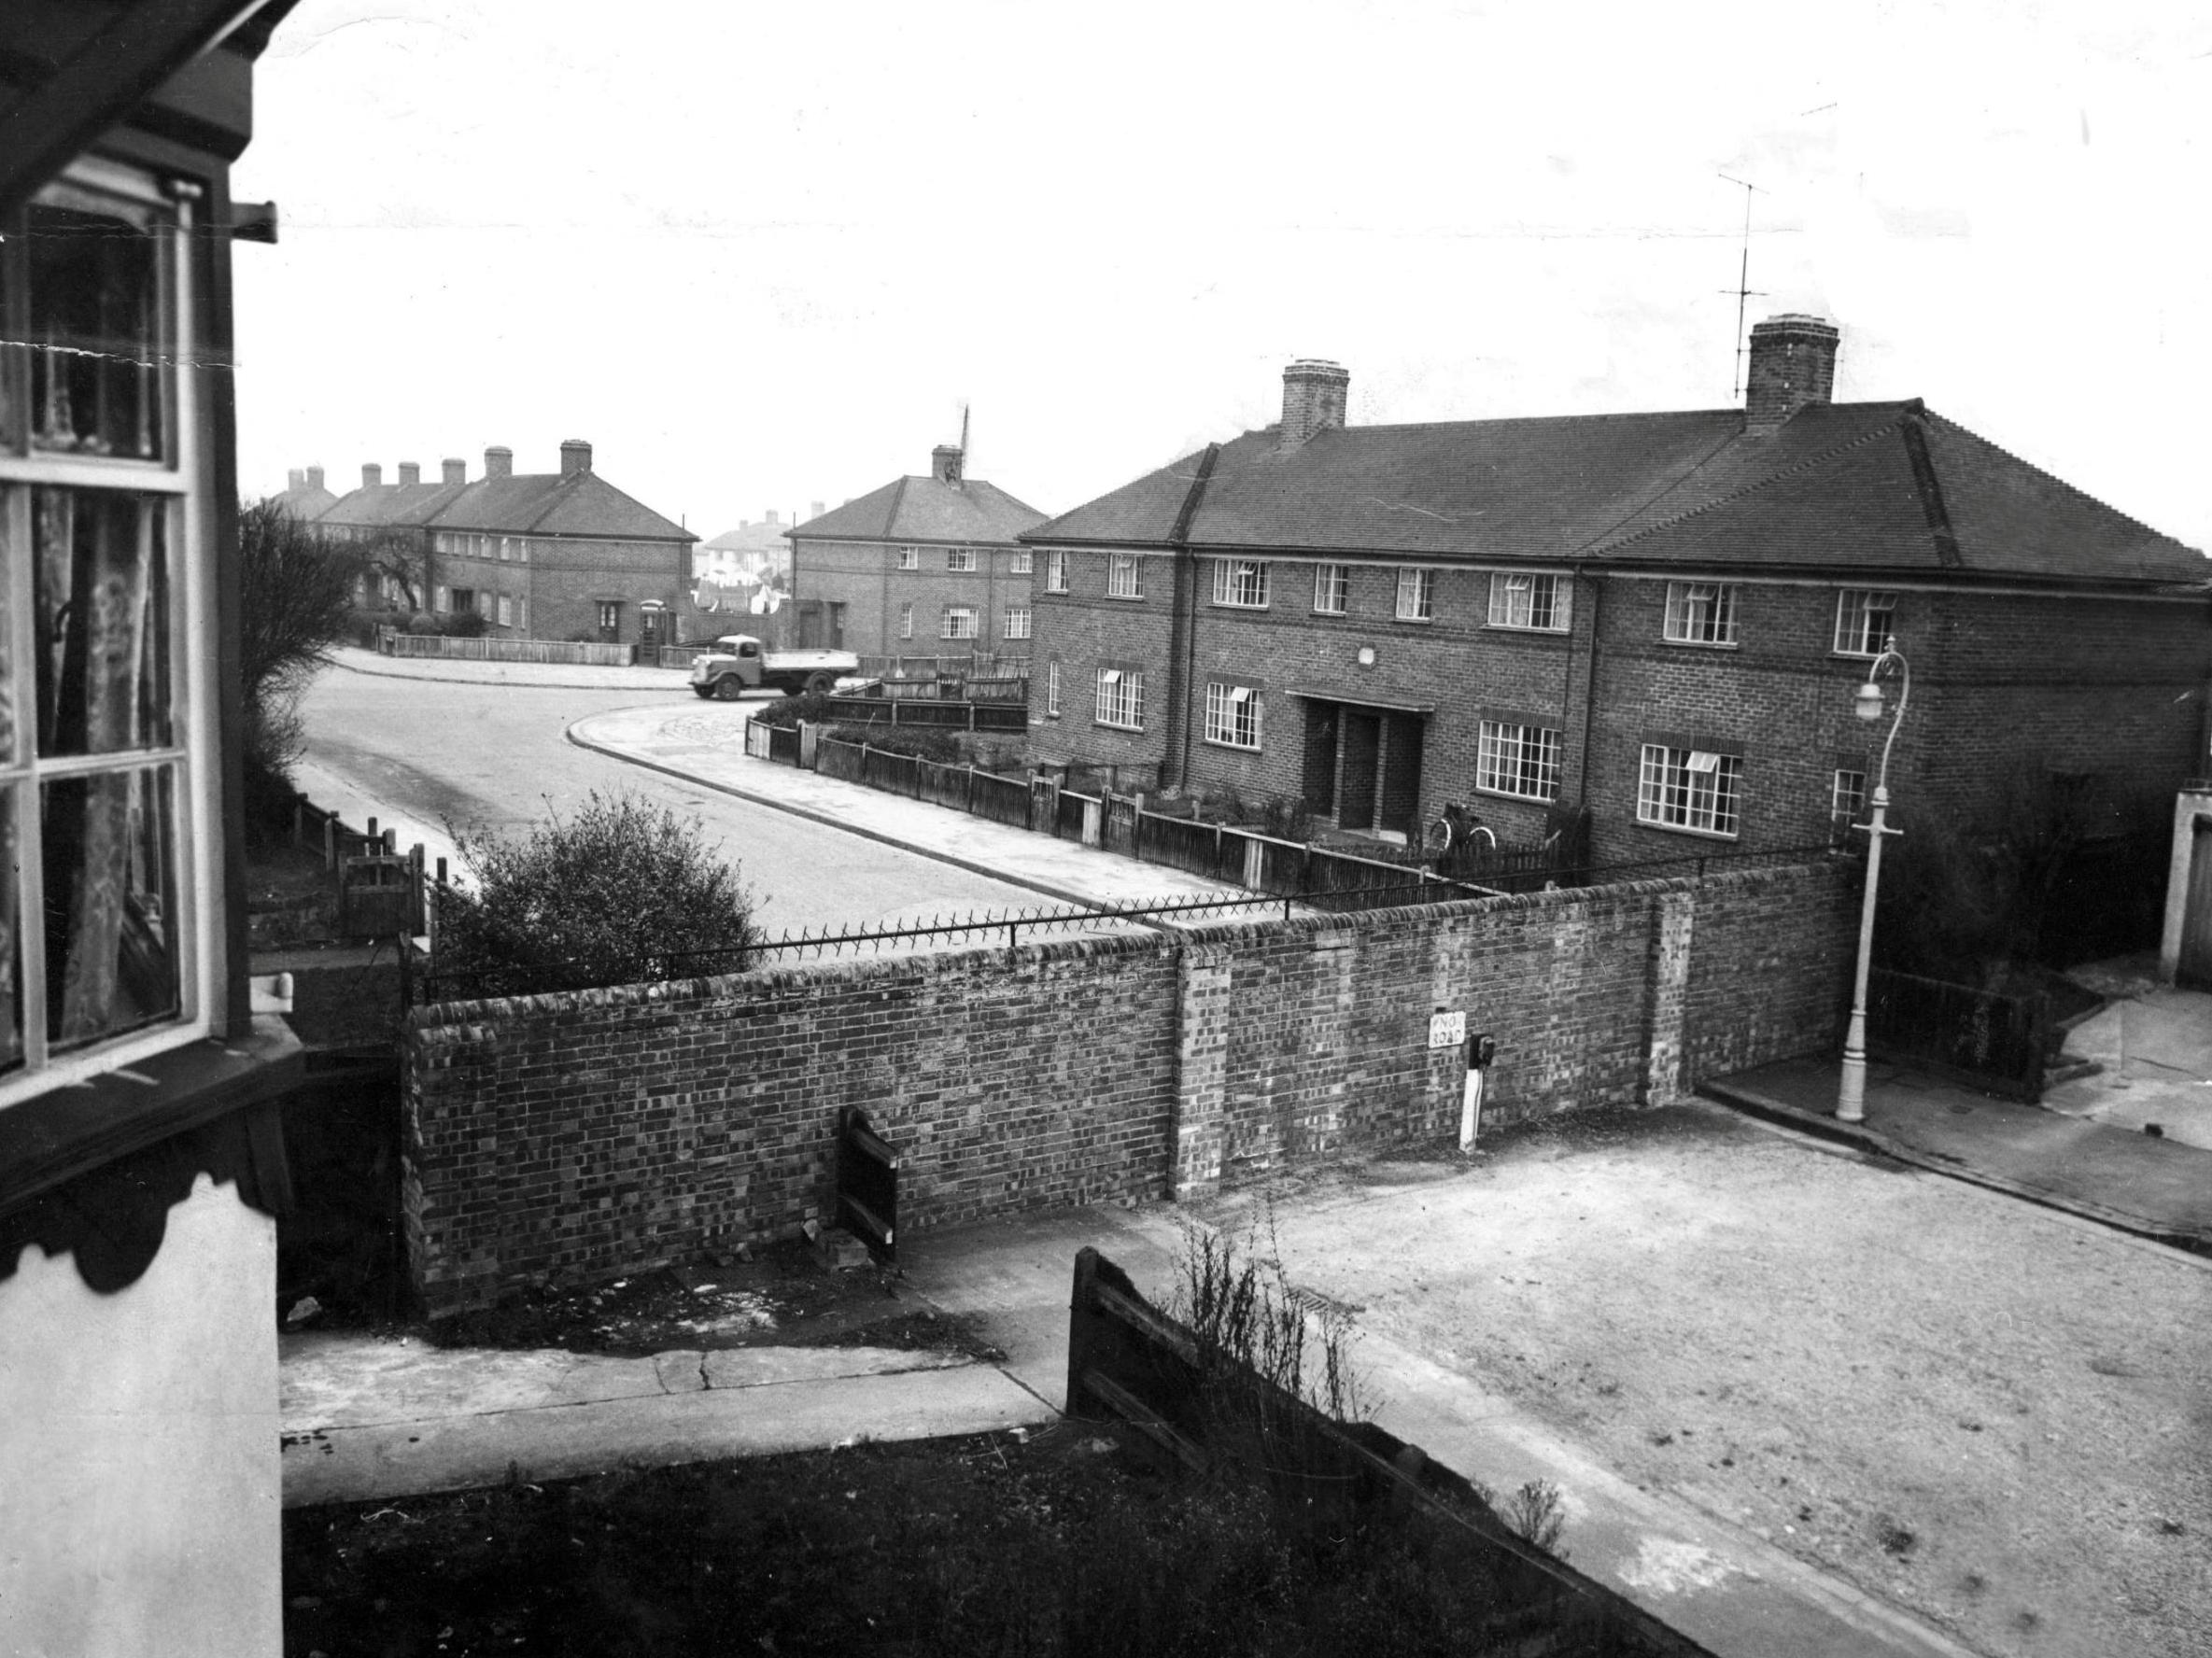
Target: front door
{"x":1400,"y":810}
{"x":2194,"y":969}
{"x":1360,"y":748}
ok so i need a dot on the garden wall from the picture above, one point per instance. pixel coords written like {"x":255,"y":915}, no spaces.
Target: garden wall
{"x":592,"y":1134}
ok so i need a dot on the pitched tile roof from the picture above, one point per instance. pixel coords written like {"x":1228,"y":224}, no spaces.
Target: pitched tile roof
{"x":391,"y":506}
{"x":549,"y":503}
{"x":1872,"y":486}
{"x":305,"y":502}
{"x":926,"y":510}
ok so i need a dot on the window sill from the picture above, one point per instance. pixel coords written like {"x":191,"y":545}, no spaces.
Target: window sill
{"x":1854,"y":655}
{"x":1331,"y":615}
{"x":1524,"y":799}
{"x":1230,"y":604}
{"x":1109,"y":726}
{"x":55,"y":1137}
{"x":1215,"y":742}
{"x":1127,"y":597}
{"x":1415,"y":621}
{"x":1521,"y":627}
{"x":1725,"y":836}
{"x":1704,"y":644}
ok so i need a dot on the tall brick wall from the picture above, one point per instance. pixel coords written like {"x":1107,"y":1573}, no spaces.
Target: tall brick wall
{"x":600,"y":1132}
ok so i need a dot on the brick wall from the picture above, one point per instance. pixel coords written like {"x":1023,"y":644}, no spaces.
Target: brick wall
{"x":602,"y":1132}
{"x":865,"y":578}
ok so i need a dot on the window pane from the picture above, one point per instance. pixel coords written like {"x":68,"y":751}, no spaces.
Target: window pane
{"x":11,"y":978}
{"x":102,"y":597}
{"x":94,"y":327}
{"x":111,"y":863}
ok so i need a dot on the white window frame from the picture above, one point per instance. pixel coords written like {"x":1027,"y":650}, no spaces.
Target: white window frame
{"x":1690,"y":791}
{"x":505,"y":550}
{"x":522,"y":614}
{"x":522,"y":551}
{"x":1847,"y":800}
{"x":1240,"y":583}
{"x":1516,"y":759}
{"x":1052,"y":689}
{"x":1532,"y":602}
{"x":1416,"y":594}
{"x":1232,"y":716}
{"x":905,"y":621}
{"x":1856,"y":610}
{"x":1024,"y":561}
{"x":1018,"y":623}
{"x":170,"y":488}
{"x":960,"y":560}
{"x":1055,"y":570}
{"x":1121,"y":700}
{"x":1125,"y":575}
{"x":958,"y":623}
{"x":1701,"y":614}
{"x":442,"y":600}
{"x":909,"y":559}
{"x":1332,"y":589}
{"x":506,"y":610}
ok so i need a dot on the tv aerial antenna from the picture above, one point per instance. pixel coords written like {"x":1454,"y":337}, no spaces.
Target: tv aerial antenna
{"x":1743,"y":289}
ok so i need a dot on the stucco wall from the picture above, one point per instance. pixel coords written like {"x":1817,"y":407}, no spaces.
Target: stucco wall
{"x":138,"y":1460}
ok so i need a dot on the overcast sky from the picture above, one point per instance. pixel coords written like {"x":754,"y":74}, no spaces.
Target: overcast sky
{"x":761,"y":257}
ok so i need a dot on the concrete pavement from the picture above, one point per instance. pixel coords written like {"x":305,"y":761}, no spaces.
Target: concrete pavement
{"x":547,"y":674}
{"x":704,"y":742}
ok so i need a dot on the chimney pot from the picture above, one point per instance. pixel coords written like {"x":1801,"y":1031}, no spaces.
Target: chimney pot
{"x":315,"y":477}
{"x":816,"y":510}
{"x":1792,"y":365}
{"x":410,"y":473}
{"x":498,"y":461}
{"x":772,"y":518}
{"x":1314,"y":396}
{"x":372,"y":475}
{"x":456,"y":471}
{"x":945,"y":463}
{"x":294,"y":479}
{"x":575,"y":456}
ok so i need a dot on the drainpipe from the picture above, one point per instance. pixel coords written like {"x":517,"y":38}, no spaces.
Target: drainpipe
{"x":1183,"y":620}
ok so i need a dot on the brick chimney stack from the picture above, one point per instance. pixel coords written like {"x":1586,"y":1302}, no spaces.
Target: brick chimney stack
{"x":1314,"y":395}
{"x":816,"y":510}
{"x":498,"y":461}
{"x":372,"y":475}
{"x":294,"y":479}
{"x":945,"y":462}
{"x":1793,"y":364}
{"x":315,"y":477}
{"x":410,"y":474}
{"x":575,"y":456}
{"x":456,"y":471}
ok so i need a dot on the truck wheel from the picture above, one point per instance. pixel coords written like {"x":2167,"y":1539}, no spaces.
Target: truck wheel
{"x":819,"y":684}
{"x":729,"y":688}
{"x":702,"y":692}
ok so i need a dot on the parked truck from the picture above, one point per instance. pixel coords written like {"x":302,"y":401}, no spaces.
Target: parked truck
{"x":738,"y":660}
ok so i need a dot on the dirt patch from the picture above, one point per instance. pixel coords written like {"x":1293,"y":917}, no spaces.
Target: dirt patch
{"x":779,"y":1296}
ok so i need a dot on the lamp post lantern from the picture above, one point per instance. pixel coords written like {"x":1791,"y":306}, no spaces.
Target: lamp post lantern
{"x":1850,"y":1098}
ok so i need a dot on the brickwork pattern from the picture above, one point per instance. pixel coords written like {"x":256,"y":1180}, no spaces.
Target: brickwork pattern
{"x":600,"y":1132}
{"x":864,"y":576}
{"x":2001,"y":684}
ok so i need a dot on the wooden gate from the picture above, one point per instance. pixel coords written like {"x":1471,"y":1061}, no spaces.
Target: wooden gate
{"x":868,"y":1185}
{"x":1119,"y":827}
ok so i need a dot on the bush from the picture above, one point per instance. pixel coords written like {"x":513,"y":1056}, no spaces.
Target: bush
{"x":423,"y":622}
{"x":467,"y":625}
{"x":815,"y":709}
{"x":624,"y":892}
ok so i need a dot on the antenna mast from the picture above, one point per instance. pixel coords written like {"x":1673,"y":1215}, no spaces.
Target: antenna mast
{"x":1742,"y":290}
{"x":964,"y":440}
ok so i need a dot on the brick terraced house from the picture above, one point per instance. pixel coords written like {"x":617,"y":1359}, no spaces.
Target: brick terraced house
{"x":537,"y":554}
{"x":922,"y":567}
{"x":1660,"y":618}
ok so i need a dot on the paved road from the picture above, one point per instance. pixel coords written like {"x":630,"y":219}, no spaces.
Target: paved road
{"x":422,"y":753}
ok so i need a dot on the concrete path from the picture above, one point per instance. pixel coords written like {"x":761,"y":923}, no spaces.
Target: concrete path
{"x":366,"y":1417}
{"x":554,"y":674}
{"x":2155,"y":1188}
{"x":705,"y":744}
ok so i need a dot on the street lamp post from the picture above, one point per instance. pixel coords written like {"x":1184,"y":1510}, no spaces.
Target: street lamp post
{"x":1850,"y":1098}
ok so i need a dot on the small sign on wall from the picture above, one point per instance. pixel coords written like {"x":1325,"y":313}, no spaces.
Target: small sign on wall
{"x":1448,"y":1030}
